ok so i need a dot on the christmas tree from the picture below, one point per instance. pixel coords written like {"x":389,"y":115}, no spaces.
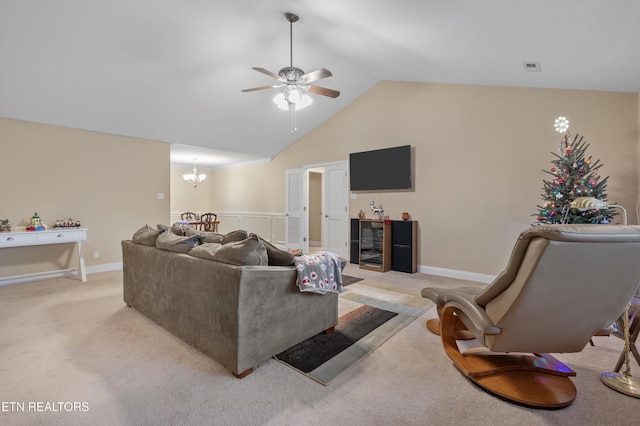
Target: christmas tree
{"x":573,"y":176}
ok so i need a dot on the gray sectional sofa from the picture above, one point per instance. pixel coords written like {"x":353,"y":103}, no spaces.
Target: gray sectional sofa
{"x":238,"y":314}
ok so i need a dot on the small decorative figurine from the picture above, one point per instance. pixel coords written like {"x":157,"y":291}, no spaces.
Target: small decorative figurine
{"x":376,"y":211}
{"x":5,"y":226}
{"x":361,"y":215}
{"x":36,"y":223}
{"x":67,"y":223}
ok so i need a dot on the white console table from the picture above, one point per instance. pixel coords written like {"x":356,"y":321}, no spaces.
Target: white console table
{"x":53,"y":236}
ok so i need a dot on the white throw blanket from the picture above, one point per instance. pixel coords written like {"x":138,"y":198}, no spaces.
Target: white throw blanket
{"x":319,"y":272}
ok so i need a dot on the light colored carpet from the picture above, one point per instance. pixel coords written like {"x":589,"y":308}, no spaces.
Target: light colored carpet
{"x":67,"y":341}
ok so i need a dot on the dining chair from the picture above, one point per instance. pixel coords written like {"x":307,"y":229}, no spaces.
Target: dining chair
{"x":209,"y":222}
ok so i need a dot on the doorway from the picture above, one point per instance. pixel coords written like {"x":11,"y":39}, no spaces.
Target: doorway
{"x":316,"y":202}
{"x":328,"y":186}
{"x":310,"y":227}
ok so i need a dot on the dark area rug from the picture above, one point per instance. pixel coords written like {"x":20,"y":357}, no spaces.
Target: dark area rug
{"x":371,"y":314}
{"x":348,"y":280}
{"x":313,"y":352}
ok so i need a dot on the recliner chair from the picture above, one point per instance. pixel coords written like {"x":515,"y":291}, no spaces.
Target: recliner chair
{"x":562,"y":285}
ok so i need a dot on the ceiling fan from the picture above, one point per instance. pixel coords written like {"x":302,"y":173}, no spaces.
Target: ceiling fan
{"x":294,"y":82}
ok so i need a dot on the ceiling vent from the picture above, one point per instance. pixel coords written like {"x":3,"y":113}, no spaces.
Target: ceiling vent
{"x":532,"y":66}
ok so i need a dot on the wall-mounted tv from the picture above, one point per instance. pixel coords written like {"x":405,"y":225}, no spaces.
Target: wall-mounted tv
{"x":381,"y":169}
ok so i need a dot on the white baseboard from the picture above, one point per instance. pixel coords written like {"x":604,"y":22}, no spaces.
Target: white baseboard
{"x":106,"y":267}
{"x":20,"y":279}
{"x":27,"y":278}
{"x":452,"y":273}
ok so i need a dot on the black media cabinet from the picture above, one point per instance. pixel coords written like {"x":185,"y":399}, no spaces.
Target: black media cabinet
{"x":404,"y":244}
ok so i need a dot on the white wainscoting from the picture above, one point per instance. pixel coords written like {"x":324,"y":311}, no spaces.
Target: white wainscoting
{"x":270,"y":226}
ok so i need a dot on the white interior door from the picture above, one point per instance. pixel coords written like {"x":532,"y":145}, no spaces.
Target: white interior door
{"x":294,"y":230}
{"x":336,"y":208}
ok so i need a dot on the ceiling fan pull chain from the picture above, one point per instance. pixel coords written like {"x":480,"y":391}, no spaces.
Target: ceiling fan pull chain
{"x":292,"y":108}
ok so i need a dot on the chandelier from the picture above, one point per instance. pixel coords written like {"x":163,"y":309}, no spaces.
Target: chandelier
{"x":194,"y":178}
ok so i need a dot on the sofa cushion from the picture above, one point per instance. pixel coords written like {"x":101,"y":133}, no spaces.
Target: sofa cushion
{"x":250,"y":251}
{"x":205,"y":250}
{"x":211,"y":237}
{"x":172,"y":242}
{"x":276,"y":256}
{"x":238,"y":235}
{"x":146,"y":236}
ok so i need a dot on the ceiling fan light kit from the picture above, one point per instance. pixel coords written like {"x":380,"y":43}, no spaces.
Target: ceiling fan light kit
{"x":294,"y":83}
{"x":292,"y":96}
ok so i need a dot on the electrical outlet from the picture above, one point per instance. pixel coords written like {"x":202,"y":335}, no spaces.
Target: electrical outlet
{"x":96,"y":254}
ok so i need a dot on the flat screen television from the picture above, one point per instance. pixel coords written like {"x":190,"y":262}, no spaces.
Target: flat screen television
{"x":381,"y":169}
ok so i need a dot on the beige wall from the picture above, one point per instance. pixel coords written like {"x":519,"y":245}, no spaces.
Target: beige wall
{"x":109,"y":183}
{"x":480,"y":153}
{"x":225,"y":189}
{"x":184,"y":197}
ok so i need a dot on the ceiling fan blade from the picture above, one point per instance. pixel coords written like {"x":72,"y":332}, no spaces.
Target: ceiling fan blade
{"x":324,"y":91}
{"x":253,"y":89}
{"x":269,"y":73}
{"x":316,"y":75}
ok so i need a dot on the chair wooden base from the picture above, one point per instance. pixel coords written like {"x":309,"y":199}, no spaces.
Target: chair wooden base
{"x":462,"y":333}
{"x":538,"y":380}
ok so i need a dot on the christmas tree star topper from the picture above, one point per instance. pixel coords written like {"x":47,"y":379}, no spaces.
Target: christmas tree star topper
{"x":561,"y":125}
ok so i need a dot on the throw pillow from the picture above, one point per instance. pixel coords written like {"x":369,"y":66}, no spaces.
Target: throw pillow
{"x":238,"y":235}
{"x":182,"y":229}
{"x":276,"y":256}
{"x":172,"y":242}
{"x":250,"y":251}
{"x":211,"y":237}
{"x":190,"y":231}
{"x":205,"y":250}
{"x":163,"y":228}
{"x":146,"y":236}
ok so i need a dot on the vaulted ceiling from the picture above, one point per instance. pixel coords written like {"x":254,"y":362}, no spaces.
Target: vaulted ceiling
{"x":173,"y":70}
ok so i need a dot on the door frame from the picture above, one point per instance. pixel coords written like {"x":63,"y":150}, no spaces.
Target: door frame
{"x":305,"y":211}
